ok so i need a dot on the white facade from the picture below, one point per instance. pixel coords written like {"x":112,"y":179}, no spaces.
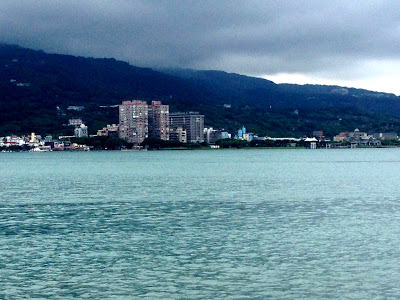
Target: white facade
{"x":81,"y":131}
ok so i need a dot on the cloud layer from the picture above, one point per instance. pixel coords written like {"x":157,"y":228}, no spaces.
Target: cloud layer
{"x":337,"y":40}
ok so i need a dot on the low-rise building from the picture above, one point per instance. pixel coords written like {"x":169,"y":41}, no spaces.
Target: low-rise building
{"x":75,"y":122}
{"x":210,"y":135}
{"x":178,"y":134}
{"x":385,"y":136}
{"x":311,"y":143}
{"x":75,"y":108}
{"x":109,"y":130}
{"x":81,"y":131}
{"x":242,"y":134}
{"x":225,"y":135}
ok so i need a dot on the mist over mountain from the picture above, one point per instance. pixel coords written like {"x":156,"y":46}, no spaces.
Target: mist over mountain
{"x":37,"y":88}
{"x":260,"y":92}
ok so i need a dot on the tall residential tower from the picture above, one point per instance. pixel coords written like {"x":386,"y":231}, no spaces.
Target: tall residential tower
{"x":159,"y":120}
{"x":133,"y":121}
{"x":138,"y":120}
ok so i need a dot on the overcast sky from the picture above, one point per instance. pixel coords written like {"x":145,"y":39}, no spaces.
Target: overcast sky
{"x":351,"y":43}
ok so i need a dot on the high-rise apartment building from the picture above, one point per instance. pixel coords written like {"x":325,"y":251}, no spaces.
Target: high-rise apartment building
{"x":159,"y":120}
{"x":191,"y":122}
{"x":133,"y":121}
{"x":138,"y":120}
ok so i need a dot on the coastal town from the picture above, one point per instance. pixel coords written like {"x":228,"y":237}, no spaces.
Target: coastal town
{"x":141,"y":123}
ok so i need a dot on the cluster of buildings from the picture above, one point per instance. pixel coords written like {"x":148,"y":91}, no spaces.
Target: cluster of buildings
{"x":80,"y":129}
{"x":211,"y":135}
{"x":355,"y":138}
{"x":37,"y":143}
{"x":362,"y":138}
{"x":138,"y":120}
{"x":110,"y":131}
{"x":358,"y":138}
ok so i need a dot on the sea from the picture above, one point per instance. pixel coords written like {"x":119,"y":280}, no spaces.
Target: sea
{"x":201,"y":224}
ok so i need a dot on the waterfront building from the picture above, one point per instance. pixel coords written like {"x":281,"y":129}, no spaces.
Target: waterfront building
{"x":210,"y":135}
{"x":386,"y":136}
{"x":133,"y":121}
{"x":369,"y":140}
{"x":342,"y":137}
{"x":32,"y":138}
{"x":248,"y":137}
{"x":81,"y":131}
{"x":178,"y":134}
{"x":225,"y":135}
{"x":356,"y":135}
{"x":311,"y":143}
{"x":191,"y":122}
{"x":242,"y":134}
{"x":109,"y":130}
{"x":159,"y":120}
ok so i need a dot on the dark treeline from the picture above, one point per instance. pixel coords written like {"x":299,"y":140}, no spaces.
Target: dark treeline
{"x":232,"y":143}
{"x":103,"y":143}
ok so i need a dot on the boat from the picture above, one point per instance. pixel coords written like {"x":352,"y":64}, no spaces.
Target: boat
{"x":41,"y":149}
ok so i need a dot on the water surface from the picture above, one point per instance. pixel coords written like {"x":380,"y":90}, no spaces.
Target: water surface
{"x":223,"y":224}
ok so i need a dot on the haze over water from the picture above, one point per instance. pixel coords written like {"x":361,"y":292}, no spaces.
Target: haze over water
{"x":248,"y":224}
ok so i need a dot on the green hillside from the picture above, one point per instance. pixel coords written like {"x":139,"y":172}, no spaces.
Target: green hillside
{"x":37,"y":88}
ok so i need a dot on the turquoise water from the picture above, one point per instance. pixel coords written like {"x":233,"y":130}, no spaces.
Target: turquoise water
{"x":224,"y":224}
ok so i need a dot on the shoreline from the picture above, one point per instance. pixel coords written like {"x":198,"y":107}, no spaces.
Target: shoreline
{"x":209,"y":149}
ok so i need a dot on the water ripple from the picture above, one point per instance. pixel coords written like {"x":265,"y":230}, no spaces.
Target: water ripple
{"x":164,"y":225}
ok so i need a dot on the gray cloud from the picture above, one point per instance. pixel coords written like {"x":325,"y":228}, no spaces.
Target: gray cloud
{"x":335,"y":39}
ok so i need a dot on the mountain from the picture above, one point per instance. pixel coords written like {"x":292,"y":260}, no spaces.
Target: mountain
{"x":261,"y":92}
{"x":37,"y":88}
